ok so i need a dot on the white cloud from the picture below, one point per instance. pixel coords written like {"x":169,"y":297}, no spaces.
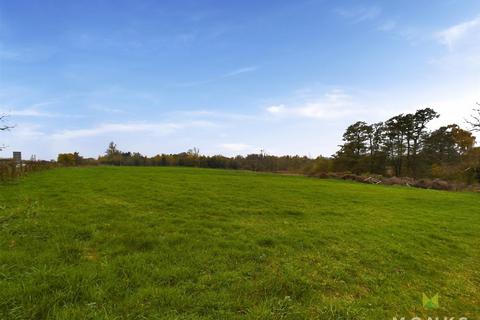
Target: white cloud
{"x":28,"y":131}
{"x":30,"y":112}
{"x":465,"y":31}
{"x":333,"y":104}
{"x":138,"y":127}
{"x":34,"y":110}
{"x":463,"y":43}
{"x":112,"y":128}
{"x":35,"y":113}
{"x":277,"y":109}
{"x":145,"y":137}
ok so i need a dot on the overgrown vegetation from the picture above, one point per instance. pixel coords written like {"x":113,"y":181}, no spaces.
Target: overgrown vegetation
{"x":11,"y":170}
{"x":186,"y":243}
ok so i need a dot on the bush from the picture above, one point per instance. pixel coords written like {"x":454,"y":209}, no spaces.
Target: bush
{"x":11,"y":170}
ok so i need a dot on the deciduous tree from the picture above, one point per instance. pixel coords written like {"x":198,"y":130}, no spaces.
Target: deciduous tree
{"x":69,"y":159}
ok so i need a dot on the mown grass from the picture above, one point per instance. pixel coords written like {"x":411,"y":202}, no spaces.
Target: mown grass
{"x":178,"y":243}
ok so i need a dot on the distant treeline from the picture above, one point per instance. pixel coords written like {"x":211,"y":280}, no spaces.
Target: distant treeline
{"x":192,"y":158}
{"x":402,"y":146}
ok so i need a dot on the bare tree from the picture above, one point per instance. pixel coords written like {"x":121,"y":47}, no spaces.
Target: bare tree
{"x":3,"y":127}
{"x":475,"y":119}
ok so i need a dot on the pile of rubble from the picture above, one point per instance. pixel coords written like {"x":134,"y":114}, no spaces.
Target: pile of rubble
{"x":436,"y":184}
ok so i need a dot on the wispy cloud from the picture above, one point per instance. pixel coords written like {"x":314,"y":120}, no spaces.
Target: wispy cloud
{"x":115,"y":128}
{"x":463,"y":43}
{"x":107,"y":109}
{"x":29,"y":131}
{"x":230,"y":74}
{"x":382,"y":22}
{"x":333,"y":104}
{"x":35,"y":110}
{"x":464,"y":31}
{"x":240,"y":71}
{"x":387,"y":25}
{"x":31,"y":112}
{"x":359,"y":14}
{"x":130,"y":127}
{"x":215,"y":114}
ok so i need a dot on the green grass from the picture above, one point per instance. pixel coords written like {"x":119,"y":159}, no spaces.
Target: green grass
{"x":177,"y":243}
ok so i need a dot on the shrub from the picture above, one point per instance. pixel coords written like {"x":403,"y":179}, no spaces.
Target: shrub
{"x":11,"y":170}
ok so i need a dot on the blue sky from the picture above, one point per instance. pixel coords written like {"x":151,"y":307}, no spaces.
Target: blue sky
{"x":228,"y":77}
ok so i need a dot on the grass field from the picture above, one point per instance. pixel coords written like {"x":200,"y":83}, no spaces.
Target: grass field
{"x":177,"y":243}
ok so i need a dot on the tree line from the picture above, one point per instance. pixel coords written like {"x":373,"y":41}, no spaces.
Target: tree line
{"x":191,"y":158}
{"x":403,"y":146}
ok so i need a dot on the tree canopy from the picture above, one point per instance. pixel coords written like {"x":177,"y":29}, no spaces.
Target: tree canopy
{"x":403,"y":146}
